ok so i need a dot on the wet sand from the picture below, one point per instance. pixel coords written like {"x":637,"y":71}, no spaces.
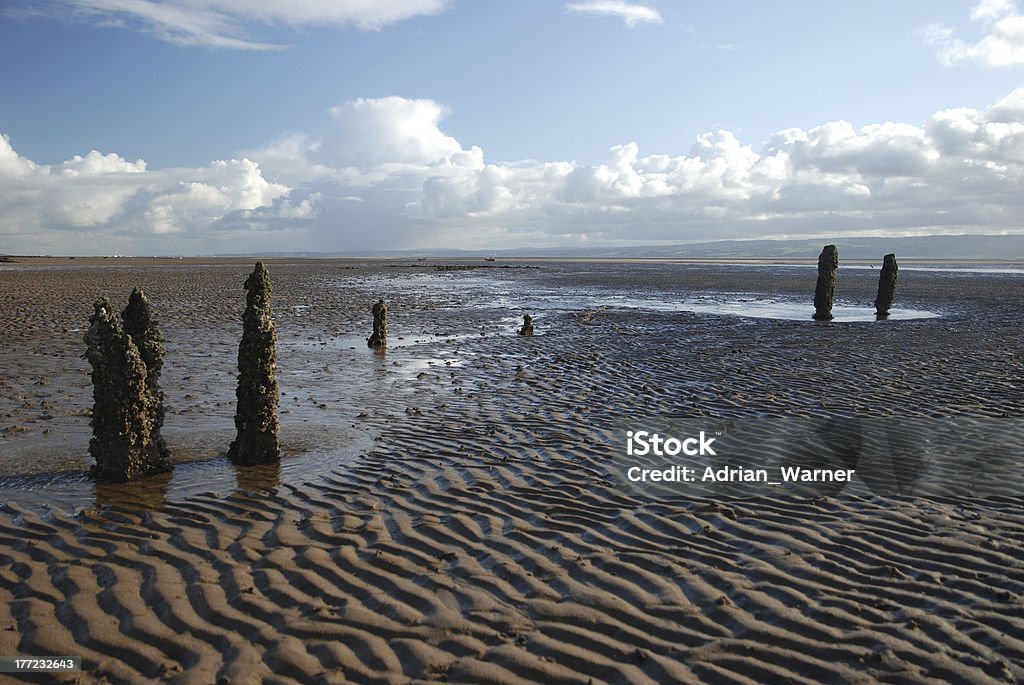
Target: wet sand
{"x":452,"y":511}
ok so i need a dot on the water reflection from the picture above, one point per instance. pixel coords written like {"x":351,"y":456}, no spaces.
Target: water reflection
{"x":148,"y":493}
{"x":310,"y":452}
{"x":259,"y":479}
{"x":491,"y":292}
{"x":216,"y":475}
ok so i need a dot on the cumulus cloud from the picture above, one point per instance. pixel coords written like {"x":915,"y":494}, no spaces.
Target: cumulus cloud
{"x":384,"y":175}
{"x":417,"y":185}
{"x":90,"y":202}
{"x":11,"y":163}
{"x":1002,"y":44}
{"x":631,"y":13}
{"x":226,"y":23}
{"x":391,"y":130}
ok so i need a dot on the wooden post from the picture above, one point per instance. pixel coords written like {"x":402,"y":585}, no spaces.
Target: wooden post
{"x":256,"y":420}
{"x":379,"y":338}
{"x":886,"y":287}
{"x":828,"y":264}
{"x":125,"y":436}
{"x":138,"y":323}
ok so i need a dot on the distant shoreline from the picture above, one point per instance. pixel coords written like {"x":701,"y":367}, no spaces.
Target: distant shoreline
{"x":767,"y":261}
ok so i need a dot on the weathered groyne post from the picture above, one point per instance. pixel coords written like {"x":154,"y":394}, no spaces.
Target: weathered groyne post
{"x":140,"y":327}
{"x":527,"y":328}
{"x":256,"y":420}
{"x":124,"y":442}
{"x":828,"y":264}
{"x":886,"y":287}
{"x":379,"y":338}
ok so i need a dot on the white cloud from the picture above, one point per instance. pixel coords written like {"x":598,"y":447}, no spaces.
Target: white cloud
{"x":225,"y":23}
{"x":11,"y":163}
{"x":96,"y":163}
{"x":725,"y":47}
{"x":393,"y":130}
{"x":631,"y":13}
{"x":86,"y":202}
{"x":993,"y":9}
{"x":956,"y":172}
{"x":1002,"y":44}
{"x":386,"y":175}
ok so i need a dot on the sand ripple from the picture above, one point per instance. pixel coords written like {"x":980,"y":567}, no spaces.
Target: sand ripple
{"x":509,"y":567}
{"x":482,"y":537}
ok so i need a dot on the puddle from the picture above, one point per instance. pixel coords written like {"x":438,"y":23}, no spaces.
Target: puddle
{"x":722,"y":304}
{"x":358,"y":342}
{"x":957,"y":269}
{"x":325,"y":450}
{"x":787,"y":310}
{"x":527,"y":296}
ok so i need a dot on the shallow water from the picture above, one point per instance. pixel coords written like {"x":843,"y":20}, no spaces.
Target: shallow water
{"x":718,"y":304}
{"x":333,"y":449}
{"x":529,"y":296}
{"x":956,"y":269}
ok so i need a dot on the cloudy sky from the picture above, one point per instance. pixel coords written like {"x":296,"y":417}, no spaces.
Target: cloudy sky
{"x":211,"y":126}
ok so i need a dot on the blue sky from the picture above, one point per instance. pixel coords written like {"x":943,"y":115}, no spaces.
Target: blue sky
{"x":195,"y":126}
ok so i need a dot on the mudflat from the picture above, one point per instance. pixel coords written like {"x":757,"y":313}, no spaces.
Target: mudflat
{"x":455,"y":508}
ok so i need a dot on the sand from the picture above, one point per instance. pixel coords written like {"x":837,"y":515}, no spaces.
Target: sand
{"x":453,"y":510}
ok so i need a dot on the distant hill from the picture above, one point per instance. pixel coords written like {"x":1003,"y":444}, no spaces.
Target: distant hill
{"x":966,"y":247}
{"x":927,"y":247}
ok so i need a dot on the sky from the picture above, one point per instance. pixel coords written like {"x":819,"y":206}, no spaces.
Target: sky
{"x":189,"y":127}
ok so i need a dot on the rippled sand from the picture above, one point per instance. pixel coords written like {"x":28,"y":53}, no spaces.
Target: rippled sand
{"x":450,"y":511}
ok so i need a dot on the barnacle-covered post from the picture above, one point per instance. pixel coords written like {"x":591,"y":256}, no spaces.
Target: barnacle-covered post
{"x":886,"y":287}
{"x":379,"y":338}
{"x":256,"y":421}
{"x":828,"y":264}
{"x":139,"y":325}
{"x":124,"y":442}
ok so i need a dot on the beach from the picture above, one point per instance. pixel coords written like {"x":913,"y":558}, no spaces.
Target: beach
{"x":457,"y":508}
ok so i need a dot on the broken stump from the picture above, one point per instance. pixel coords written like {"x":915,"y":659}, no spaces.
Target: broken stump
{"x":125,"y":440}
{"x":256,"y":421}
{"x":886,"y":287}
{"x":828,"y":264}
{"x":379,"y":338}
